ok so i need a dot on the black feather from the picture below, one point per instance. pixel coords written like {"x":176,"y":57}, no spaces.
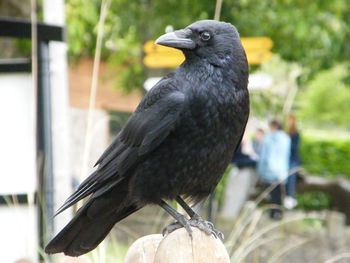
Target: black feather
{"x":178,"y":142}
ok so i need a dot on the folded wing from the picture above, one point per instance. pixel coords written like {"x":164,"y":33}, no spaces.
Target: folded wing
{"x":146,"y":129}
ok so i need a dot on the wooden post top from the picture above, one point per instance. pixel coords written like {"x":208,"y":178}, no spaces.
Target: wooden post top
{"x":178,"y":247}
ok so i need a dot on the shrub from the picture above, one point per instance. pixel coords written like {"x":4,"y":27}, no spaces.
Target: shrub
{"x":325,"y":156}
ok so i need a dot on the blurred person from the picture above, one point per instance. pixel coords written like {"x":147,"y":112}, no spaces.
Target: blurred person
{"x":257,"y":142}
{"x":273,"y":164}
{"x":294,"y":161}
{"x":242,"y":157}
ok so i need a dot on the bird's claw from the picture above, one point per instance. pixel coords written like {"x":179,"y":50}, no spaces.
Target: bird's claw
{"x":195,"y":221}
{"x":170,"y":228}
{"x":206,"y":226}
{"x":183,"y":222}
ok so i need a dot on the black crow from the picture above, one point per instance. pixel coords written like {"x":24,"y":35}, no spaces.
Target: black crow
{"x":177,"y":144}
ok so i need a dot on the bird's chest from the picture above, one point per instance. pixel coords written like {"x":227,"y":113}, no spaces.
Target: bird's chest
{"x":207,"y":131}
{"x":210,"y":131}
{"x":210,"y":112}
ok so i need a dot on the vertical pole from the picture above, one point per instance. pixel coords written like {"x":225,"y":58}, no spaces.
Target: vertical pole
{"x":218,"y":10}
{"x":94,"y":85}
{"x":44,"y":148}
{"x":53,"y":12}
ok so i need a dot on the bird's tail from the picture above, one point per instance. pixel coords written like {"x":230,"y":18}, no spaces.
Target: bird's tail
{"x":88,"y":228}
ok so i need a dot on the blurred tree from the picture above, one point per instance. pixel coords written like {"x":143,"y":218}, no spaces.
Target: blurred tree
{"x":128,"y":25}
{"x":271,"y":102}
{"x":326,"y":100}
{"x":314,"y":34}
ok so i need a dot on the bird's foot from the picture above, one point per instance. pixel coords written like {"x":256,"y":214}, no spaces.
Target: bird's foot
{"x":183,"y":222}
{"x":206,"y":226}
{"x":195,"y":221}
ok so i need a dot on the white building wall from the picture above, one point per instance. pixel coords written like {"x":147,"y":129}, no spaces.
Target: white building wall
{"x":18,"y":223}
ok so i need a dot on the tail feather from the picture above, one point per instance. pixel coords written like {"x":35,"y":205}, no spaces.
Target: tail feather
{"x":66,"y":235}
{"x":92,"y":235}
{"x":93,"y":221}
{"x":76,"y":196}
{"x":83,"y":234}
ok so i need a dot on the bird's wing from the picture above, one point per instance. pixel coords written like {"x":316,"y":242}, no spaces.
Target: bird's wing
{"x":146,"y":129}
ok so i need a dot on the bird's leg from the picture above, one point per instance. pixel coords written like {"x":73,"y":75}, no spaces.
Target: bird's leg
{"x":181,"y":220}
{"x":199,"y":222}
{"x":185,"y":206}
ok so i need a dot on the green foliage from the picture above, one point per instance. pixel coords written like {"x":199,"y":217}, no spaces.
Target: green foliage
{"x":128,"y":25}
{"x":24,"y":46}
{"x":326,"y":100}
{"x":314,"y":34}
{"x":131,"y":78}
{"x":311,"y":33}
{"x":313,"y":201}
{"x":82,"y":19}
{"x":270,"y":102}
{"x":265,"y":104}
{"x":325,"y":156}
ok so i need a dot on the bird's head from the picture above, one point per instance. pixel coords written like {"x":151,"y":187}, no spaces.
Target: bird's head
{"x":210,"y":40}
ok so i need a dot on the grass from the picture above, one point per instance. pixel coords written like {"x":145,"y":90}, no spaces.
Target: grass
{"x":252,"y":231}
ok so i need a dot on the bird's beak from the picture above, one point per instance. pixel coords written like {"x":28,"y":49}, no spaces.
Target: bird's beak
{"x":178,"y":39}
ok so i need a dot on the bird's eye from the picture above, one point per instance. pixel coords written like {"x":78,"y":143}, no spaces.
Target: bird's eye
{"x":205,"y":35}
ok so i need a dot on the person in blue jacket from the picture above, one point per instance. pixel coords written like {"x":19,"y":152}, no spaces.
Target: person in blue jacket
{"x":273,"y":164}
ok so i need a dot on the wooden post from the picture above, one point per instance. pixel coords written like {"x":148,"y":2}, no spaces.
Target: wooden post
{"x":68,"y":259}
{"x":335,"y":225}
{"x":178,"y":247}
{"x":143,"y":249}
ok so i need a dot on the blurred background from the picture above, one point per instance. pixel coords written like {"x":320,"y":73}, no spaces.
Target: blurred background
{"x":72,"y":72}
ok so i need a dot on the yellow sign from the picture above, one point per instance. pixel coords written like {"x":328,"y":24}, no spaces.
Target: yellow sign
{"x":250,"y":43}
{"x":163,"y":60}
{"x":157,"y":56}
{"x":257,"y":49}
{"x":258,"y":57}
